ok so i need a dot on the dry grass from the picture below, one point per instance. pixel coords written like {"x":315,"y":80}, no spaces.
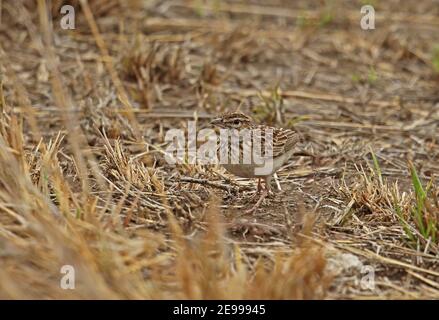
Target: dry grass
{"x":84,"y":182}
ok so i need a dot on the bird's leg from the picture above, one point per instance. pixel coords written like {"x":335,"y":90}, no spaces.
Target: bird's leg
{"x":258,"y":190}
{"x":267,"y":191}
{"x":259,"y":186}
{"x":268,"y":186}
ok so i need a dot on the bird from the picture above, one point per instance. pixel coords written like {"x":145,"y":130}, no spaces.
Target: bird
{"x":276,"y":145}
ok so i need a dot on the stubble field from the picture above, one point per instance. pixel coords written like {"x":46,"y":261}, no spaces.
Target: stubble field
{"x":84,"y":181}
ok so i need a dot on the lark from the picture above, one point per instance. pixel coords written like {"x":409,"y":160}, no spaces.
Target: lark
{"x":277,"y":146}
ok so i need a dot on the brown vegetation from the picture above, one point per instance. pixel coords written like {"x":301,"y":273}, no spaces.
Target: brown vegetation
{"x":84,"y":182}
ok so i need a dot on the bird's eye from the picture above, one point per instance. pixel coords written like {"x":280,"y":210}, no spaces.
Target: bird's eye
{"x":236,"y":122}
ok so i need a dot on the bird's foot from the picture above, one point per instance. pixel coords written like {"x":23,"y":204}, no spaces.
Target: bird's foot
{"x":270,"y":194}
{"x":258,"y":191}
{"x":258,"y":203}
{"x":255,"y":196}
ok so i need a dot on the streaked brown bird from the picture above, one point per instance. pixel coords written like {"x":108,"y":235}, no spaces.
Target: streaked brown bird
{"x":276,"y":148}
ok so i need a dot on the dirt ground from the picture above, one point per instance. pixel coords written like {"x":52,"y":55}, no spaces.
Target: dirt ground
{"x":131,"y":71}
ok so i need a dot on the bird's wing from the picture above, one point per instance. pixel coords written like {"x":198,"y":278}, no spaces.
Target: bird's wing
{"x":279,"y":139}
{"x":283,"y":141}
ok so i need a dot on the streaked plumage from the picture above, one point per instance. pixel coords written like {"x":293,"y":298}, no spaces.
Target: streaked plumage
{"x":282,"y":144}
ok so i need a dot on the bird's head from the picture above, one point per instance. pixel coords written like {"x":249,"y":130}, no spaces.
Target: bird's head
{"x":233,"y":120}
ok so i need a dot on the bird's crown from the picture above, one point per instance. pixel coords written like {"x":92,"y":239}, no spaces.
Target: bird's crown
{"x":235,"y":120}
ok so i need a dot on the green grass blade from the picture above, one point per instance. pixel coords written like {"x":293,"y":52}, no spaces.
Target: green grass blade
{"x":417,"y":183}
{"x":377,"y":166}
{"x":420,"y":200}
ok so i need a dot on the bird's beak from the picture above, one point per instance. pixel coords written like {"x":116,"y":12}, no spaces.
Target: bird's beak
{"x":215,"y":121}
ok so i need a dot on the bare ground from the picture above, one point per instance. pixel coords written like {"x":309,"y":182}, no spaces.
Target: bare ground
{"x":129,"y":72}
